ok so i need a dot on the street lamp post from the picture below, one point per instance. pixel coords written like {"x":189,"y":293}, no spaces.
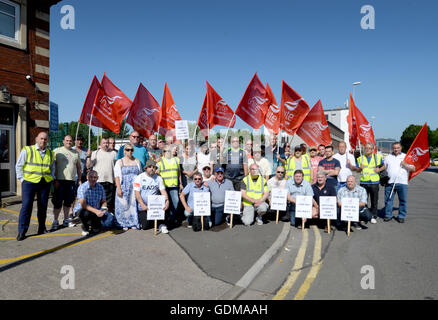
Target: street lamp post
{"x":354,"y":85}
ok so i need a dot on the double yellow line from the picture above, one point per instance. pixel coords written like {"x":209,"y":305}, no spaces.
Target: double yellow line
{"x":298,"y":265}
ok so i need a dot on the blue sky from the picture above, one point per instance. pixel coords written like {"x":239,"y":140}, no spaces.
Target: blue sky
{"x":317,"y":47}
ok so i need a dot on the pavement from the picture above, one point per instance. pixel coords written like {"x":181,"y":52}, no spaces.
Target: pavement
{"x":273,"y":261}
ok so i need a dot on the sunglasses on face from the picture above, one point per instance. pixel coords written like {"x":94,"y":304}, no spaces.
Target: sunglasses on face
{"x":129,"y":150}
{"x":197,"y":179}
{"x":219,"y":172}
{"x":282,"y":172}
{"x":206,"y":169}
{"x":135,"y":136}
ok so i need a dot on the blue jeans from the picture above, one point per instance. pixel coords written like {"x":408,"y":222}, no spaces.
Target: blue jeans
{"x":174,"y":200}
{"x":217,"y":215}
{"x":28,"y":191}
{"x":402,"y":191}
{"x":291,"y":208}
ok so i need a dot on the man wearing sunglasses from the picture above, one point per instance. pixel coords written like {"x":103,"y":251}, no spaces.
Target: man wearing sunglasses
{"x":279,"y":181}
{"x":218,"y":187}
{"x":140,"y":152}
{"x":189,"y":190}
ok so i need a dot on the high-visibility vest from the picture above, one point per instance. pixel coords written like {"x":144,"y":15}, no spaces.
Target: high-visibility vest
{"x":254,"y":190}
{"x":367,"y":174}
{"x":305,"y":164}
{"x":169,"y":171}
{"x":35,"y":168}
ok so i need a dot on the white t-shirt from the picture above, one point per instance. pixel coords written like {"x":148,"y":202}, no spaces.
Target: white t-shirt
{"x":396,"y":173}
{"x":275,"y":183}
{"x":264,"y":166}
{"x":148,"y":186}
{"x":203,"y":160}
{"x":103,"y":163}
{"x":344,"y":172}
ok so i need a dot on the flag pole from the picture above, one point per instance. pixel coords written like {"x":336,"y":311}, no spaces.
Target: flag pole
{"x":77,"y":130}
{"x":89,"y":132}
{"x":226,"y":135}
{"x":194,"y":133}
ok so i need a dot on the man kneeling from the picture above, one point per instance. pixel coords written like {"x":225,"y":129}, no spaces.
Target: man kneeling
{"x":91,"y":204}
{"x":254,"y":194}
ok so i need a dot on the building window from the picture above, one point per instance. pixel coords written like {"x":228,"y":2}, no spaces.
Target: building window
{"x":10,"y":20}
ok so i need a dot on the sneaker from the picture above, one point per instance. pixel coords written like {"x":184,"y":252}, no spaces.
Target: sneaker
{"x":401,"y":220}
{"x":387,"y":219}
{"x":227,"y":219}
{"x":259,"y":221}
{"x":210,"y":224}
{"x":373,"y":221}
{"x":357,"y":226}
{"x":362,"y":226}
{"x":66,"y":222}
{"x":185,"y":224}
{"x":134,"y":228}
{"x":163,"y":229}
{"x":85,"y":233}
{"x":55,"y":225}
{"x":125,"y":229}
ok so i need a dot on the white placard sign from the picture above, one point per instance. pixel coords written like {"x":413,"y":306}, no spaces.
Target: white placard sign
{"x":279,"y":199}
{"x":201,"y":201}
{"x":328,"y":208}
{"x":181,"y":129}
{"x":155,"y":207}
{"x":303,"y":207}
{"x":350,"y":209}
{"x":233,"y":201}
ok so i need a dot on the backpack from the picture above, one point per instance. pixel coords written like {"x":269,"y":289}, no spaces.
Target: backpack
{"x":197,"y":225}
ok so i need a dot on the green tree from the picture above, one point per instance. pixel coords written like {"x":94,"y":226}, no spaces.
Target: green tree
{"x":83,"y":131}
{"x":124,"y":132}
{"x":409,"y":135}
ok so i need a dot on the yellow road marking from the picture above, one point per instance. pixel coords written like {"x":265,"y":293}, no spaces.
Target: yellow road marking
{"x":18,"y":213}
{"x":45,"y":236}
{"x":10,"y":260}
{"x":316,"y":266}
{"x":296,"y":270}
{"x":14,"y":223}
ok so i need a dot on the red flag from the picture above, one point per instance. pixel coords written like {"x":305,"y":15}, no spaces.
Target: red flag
{"x":314,"y":129}
{"x":88,"y":106}
{"x":364,"y":130}
{"x":293,"y":109}
{"x":418,"y":154}
{"x":145,"y":113}
{"x":352,"y":125}
{"x":110,"y":105}
{"x":252,"y":108}
{"x":203,"y":118}
{"x":169,"y":112}
{"x":272,"y":117}
{"x":219,"y":113}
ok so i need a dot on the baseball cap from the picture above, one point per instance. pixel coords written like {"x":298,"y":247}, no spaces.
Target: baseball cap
{"x":150,"y":163}
{"x":220,"y":169}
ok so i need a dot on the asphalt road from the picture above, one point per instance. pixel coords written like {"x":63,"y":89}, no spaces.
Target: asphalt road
{"x":266,"y":262}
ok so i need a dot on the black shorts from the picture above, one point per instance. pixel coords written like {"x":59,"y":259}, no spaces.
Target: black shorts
{"x":64,"y":194}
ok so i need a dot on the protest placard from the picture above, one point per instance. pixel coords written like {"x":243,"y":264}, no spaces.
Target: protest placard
{"x":233,"y":201}
{"x":303,"y":207}
{"x":278,"y":199}
{"x":201,"y":204}
{"x":181,"y":129}
{"x":327,"y":208}
{"x":155,"y":209}
{"x":350,"y":209}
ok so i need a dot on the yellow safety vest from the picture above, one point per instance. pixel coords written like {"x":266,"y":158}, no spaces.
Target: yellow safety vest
{"x":169,"y":171}
{"x":254,"y":190}
{"x":368,"y":173}
{"x":36,"y":168}
{"x":305,"y":164}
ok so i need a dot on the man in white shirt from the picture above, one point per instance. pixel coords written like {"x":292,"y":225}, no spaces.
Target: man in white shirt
{"x":398,"y":172}
{"x":347,"y":161}
{"x":102,"y":161}
{"x":145,"y":184}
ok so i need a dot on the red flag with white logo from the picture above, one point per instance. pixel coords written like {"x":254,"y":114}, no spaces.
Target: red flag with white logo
{"x":352,"y":126}
{"x":203,"y":118}
{"x":88,"y":106}
{"x":314,"y":129}
{"x":219,"y":113}
{"x":145,"y":113}
{"x":418,"y":154}
{"x":293,"y":109}
{"x":272,"y":117}
{"x":252,"y":107}
{"x":169,"y":112}
{"x":110,"y":105}
{"x":364,"y":130}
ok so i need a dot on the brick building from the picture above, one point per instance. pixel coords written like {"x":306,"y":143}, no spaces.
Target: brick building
{"x":24,"y":81}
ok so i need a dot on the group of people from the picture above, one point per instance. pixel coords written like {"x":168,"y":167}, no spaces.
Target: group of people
{"x":110,"y":188}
